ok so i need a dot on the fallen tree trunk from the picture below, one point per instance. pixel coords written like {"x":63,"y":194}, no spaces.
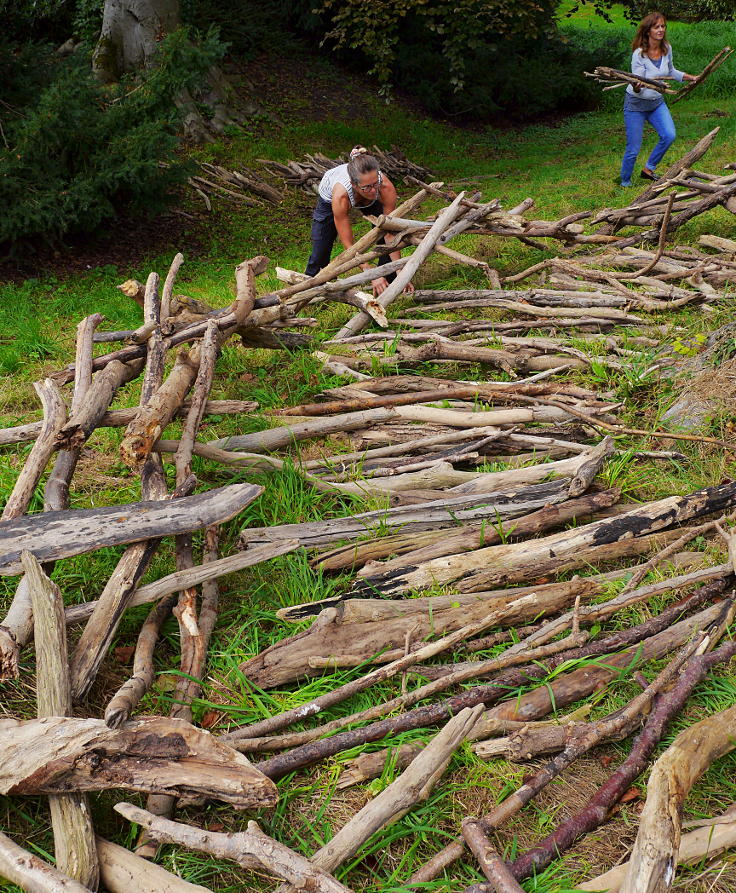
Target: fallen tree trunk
{"x":156,"y":754}
{"x":489,"y":566}
{"x":53,"y":535}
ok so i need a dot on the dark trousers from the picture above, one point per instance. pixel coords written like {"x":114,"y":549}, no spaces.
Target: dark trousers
{"x":324,"y":233}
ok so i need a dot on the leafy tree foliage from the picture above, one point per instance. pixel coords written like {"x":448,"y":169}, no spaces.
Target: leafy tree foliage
{"x":460,"y":27}
{"x":677,"y":10}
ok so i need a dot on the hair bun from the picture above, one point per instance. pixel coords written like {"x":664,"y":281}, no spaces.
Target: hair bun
{"x":357,"y":150}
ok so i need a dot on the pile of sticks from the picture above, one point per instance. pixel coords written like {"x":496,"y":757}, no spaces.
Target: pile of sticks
{"x":232,"y":185}
{"x":490,"y":539}
{"x":307,"y":174}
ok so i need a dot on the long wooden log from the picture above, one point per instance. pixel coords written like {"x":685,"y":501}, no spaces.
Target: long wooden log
{"x":118,"y":418}
{"x":447,"y":216}
{"x":56,"y":492}
{"x":350,"y":633}
{"x":74,"y":837}
{"x":486,"y":567}
{"x":54,"y":535}
{"x":57,"y":755}
{"x":412,"y":549}
{"x":412,"y":787}
{"x":447,"y":512}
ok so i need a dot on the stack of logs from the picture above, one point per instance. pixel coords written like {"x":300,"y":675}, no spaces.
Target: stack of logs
{"x":490,"y":539}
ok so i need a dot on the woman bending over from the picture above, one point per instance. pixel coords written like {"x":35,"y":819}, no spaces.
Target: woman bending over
{"x":357,"y":184}
{"x":652,"y":59}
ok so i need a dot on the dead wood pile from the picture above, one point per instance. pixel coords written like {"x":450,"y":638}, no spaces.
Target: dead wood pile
{"x":485,"y":492}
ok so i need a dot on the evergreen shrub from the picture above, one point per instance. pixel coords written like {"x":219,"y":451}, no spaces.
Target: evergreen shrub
{"x":81,"y":154}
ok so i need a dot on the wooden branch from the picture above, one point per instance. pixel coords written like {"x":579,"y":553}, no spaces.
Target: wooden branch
{"x":56,"y":492}
{"x":486,"y":567}
{"x":714,"y":63}
{"x":250,"y":849}
{"x":599,"y":806}
{"x":122,"y":871}
{"x":57,"y":755}
{"x":55,"y":535}
{"x":32,"y":874}
{"x":696,"y":846}
{"x":444,"y":219}
{"x":74,"y":837}
{"x":372,"y":765}
{"x":54,"y":411}
{"x":573,"y":686}
{"x":528,"y":707}
{"x":492,"y":865}
{"x":412,"y":787}
{"x":671,"y":779}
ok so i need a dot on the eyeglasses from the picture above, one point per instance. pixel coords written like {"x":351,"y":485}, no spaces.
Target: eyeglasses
{"x":370,"y":187}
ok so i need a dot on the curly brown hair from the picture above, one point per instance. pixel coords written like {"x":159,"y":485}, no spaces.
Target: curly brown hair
{"x":641,"y":38}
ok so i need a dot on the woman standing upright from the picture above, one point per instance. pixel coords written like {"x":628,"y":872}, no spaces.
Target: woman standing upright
{"x":358,"y":184}
{"x":652,"y":59}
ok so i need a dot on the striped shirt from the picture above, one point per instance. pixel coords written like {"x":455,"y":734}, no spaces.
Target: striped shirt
{"x":340,"y":175}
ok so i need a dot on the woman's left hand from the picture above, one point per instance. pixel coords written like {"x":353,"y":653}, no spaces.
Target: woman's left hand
{"x":379,"y":285}
{"x":409,"y":288}
{"x":690,"y":77}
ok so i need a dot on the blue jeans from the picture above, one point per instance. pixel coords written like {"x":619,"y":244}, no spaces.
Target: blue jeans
{"x":661,"y":120}
{"x":324,"y":233}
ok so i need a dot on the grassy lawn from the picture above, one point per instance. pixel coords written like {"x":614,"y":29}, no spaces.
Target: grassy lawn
{"x":566,"y":165}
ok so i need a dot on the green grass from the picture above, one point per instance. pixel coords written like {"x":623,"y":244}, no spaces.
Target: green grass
{"x":566,"y":165}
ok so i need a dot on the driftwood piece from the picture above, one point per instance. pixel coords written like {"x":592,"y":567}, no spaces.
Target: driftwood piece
{"x":657,"y":842}
{"x":371,"y":765}
{"x":446,"y":512}
{"x":530,"y":707}
{"x":714,"y":63}
{"x":414,"y":548}
{"x":597,"y":809}
{"x":563,"y":690}
{"x":551,"y":654}
{"x":359,"y":629}
{"x":31,"y":873}
{"x":54,"y":535}
{"x":56,"y":491}
{"x":251,"y":849}
{"x":119,"y":418}
{"x":121,"y":871}
{"x":56,"y":755}
{"x":412,"y":787}
{"x":54,"y":411}
{"x":74,"y":837}
{"x":489,"y":566}
{"x":431,"y":649}
{"x":703,"y":843}
{"x":492,"y":865}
